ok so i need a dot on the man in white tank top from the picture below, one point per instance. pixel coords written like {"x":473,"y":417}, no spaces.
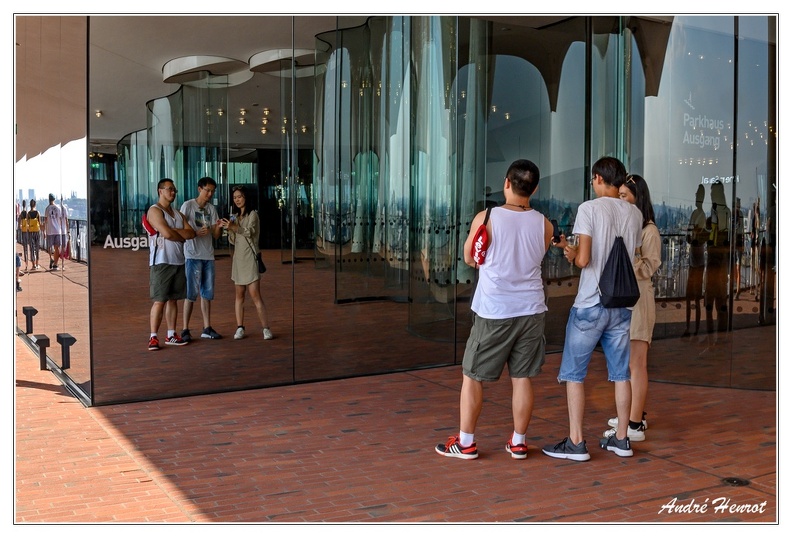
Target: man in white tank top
{"x":597,"y":224}
{"x":509,"y":312}
{"x":167,"y":281}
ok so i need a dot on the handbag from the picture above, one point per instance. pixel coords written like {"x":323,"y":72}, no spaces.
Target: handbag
{"x":478,"y":250}
{"x":618,"y":287}
{"x":261,"y":267}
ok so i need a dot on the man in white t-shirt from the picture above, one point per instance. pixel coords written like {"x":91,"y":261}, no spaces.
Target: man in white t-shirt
{"x":199,"y":256}
{"x":53,"y":228}
{"x":597,"y":224}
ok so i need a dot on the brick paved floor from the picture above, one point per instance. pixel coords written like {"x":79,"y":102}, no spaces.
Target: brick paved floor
{"x":361,"y":450}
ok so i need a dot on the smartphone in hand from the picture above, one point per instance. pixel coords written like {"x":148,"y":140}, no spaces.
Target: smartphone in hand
{"x":556,"y":231}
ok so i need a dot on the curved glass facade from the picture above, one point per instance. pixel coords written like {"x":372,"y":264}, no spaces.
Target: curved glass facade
{"x":386,"y":146}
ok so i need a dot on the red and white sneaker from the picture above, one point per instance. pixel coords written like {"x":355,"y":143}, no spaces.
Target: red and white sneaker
{"x":452,"y":449}
{"x":518,"y":451}
{"x":154,"y":344}
{"x":175,"y":340}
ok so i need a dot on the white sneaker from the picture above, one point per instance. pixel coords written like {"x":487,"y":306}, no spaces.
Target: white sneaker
{"x":239,"y":334}
{"x":614,"y":423}
{"x":267,"y":334}
{"x":634,"y":435}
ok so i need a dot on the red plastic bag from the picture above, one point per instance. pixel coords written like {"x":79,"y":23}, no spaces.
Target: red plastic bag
{"x":478,"y":249}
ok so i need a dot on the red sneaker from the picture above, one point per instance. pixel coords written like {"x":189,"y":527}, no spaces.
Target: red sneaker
{"x":452,"y":449}
{"x":154,"y":344}
{"x":175,"y":340}
{"x":518,"y":451}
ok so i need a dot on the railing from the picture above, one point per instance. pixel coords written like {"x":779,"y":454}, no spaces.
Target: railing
{"x":670,"y":280}
{"x":78,"y":229}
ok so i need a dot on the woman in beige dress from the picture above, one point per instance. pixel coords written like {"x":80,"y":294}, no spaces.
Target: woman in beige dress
{"x":645,"y":263}
{"x":243,"y":232}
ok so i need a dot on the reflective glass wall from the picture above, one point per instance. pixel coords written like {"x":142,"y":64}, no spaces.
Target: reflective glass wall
{"x":51,"y":303}
{"x":377,"y":139}
{"x":703,"y":135}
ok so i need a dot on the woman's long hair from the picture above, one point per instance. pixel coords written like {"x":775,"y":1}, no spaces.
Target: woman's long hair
{"x":643,"y":200}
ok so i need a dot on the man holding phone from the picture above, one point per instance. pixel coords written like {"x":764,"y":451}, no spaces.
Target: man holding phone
{"x":199,"y":256}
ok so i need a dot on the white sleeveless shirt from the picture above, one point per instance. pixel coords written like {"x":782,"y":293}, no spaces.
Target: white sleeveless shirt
{"x":510,"y":280}
{"x":165,"y":250}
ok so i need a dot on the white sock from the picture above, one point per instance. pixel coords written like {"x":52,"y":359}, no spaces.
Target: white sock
{"x":518,"y":439}
{"x":465,"y":439}
{"x":171,"y":333}
{"x":153,"y":335}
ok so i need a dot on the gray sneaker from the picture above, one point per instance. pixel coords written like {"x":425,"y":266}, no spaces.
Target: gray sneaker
{"x":567,"y":450}
{"x":620,"y":446}
{"x":210,"y":333}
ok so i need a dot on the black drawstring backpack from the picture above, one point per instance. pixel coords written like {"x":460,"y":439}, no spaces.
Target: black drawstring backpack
{"x":618,"y":287}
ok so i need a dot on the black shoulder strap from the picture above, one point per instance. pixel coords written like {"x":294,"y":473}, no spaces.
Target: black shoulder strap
{"x":486,"y":216}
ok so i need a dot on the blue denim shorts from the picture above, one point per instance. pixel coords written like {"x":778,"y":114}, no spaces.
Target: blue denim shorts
{"x":200,"y":278}
{"x":586,"y":328}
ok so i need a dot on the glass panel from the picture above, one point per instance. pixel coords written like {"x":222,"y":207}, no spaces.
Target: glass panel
{"x":545,"y":58}
{"x":190,"y":136}
{"x":433,"y":230}
{"x":51,"y":170}
{"x":708,"y":170}
{"x":362,"y":204}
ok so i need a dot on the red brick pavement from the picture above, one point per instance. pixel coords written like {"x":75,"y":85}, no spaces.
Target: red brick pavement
{"x":361,"y":450}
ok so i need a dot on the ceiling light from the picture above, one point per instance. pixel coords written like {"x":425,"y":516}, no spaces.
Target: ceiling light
{"x":98,"y":113}
{"x":242,"y":111}
{"x":241,"y":121}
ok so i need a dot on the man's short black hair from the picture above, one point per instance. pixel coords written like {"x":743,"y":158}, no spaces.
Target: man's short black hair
{"x":524,"y":177}
{"x":611,"y":170}
{"x":204,"y":181}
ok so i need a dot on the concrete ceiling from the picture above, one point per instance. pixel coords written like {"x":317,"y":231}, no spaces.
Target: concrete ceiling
{"x":127,"y":55}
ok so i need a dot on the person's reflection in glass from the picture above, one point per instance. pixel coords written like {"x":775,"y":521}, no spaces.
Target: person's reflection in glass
{"x":697,"y":238}
{"x":738,"y":233}
{"x":243,"y":232}
{"x":716,"y":289}
{"x":24,"y":235}
{"x":34,"y":234}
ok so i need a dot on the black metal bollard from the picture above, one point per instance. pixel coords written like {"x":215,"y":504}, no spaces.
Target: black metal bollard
{"x":66,"y":341}
{"x":43,"y":342}
{"x":29,"y":312}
